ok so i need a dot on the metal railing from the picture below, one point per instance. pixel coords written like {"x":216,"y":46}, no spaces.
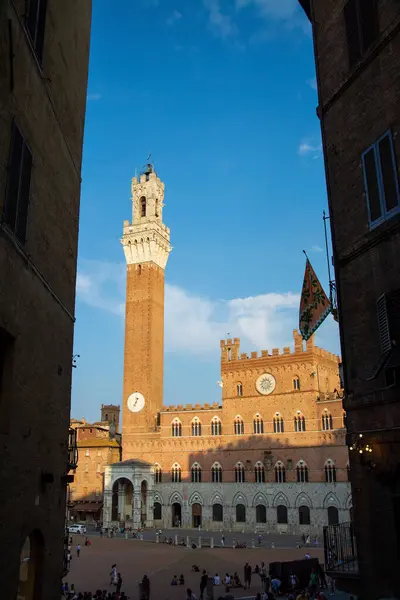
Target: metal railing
{"x":340,"y":548}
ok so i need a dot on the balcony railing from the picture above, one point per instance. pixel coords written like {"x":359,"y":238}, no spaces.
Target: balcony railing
{"x":340,"y":548}
{"x":72,"y":450}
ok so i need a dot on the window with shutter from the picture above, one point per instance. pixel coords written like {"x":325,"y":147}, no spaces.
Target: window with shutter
{"x":381,"y":180}
{"x":372,"y":185}
{"x":18,"y":186}
{"x":383,"y":324}
{"x":35,"y":24}
{"x":388,"y":170}
{"x":352,"y":32}
{"x":361,"y":19}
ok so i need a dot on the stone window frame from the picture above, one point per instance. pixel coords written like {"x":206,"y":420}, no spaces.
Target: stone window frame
{"x":280,"y":472}
{"x":239,"y":389}
{"x":176,"y":427}
{"x":157,"y":473}
{"x":330,"y":471}
{"x":238,"y":425}
{"x":327,"y":420}
{"x":216,"y":426}
{"x":296,"y":383}
{"x":302,"y":472}
{"x":240,"y":475}
{"x":299,"y":422}
{"x":176,"y":473}
{"x":216,"y":473}
{"x":258,"y":424}
{"x":195,"y":472}
{"x":196,"y":427}
{"x":279,"y":423}
{"x":259,"y":472}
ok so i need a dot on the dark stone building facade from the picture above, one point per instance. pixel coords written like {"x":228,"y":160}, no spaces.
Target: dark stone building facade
{"x":357,"y":55}
{"x":44,"y":51}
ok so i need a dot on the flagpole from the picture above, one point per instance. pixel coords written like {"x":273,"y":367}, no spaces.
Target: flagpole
{"x":325,"y":218}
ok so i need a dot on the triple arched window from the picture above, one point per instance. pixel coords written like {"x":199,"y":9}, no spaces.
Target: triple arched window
{"x":176,"y":473}
{"x":196,"y":427}
{"x":176,"y":428}
{"x":302,"y":472}
{"x":216,"y":473}
{"x":239,"y":473}
{"x":216,"y":426}
{"x":258,"y":424}
{"x":259,"y":473}
{"x":196,"y":473}
{"x":278,"y":424}
{"x":280,"y":472}
{"x":238,"y":426}
{"x":330,"y":471}
{"x":299,"y":423}
{"x":157,"y":473}
{"x":327,"y":421}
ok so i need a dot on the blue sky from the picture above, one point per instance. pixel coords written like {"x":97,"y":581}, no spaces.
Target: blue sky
{"x":222,"y":93}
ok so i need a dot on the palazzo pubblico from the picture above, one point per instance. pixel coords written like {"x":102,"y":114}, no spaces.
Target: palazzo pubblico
{"x":271,"y":456}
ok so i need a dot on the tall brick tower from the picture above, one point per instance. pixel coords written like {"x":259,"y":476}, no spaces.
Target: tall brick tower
{"x":146,"y":243}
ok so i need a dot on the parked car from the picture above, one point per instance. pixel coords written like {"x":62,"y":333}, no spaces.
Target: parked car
{"x":77,"y":529}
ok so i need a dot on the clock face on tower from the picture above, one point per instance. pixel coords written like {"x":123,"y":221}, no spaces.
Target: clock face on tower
{"x":265,"y":384}
{"x":135,"y":402}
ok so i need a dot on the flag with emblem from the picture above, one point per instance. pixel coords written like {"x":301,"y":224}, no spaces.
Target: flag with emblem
{"x":314,"y":304}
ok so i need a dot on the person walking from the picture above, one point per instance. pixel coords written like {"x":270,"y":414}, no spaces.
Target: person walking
{"x":203,"y":583}
{"x":222,"y":540}
{"x":78,"y":550}
{"x":113,"y":575}
{"x":119,"y":583}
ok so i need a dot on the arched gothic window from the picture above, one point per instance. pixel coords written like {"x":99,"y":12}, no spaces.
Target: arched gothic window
{"x":259,"y":473}
{"x":299,"y":423}
{"x":196,"y":427}
{"x":196,"y":473}
{"x":281,"y":514}
{"x":304,"y":515}
{"x":239,"y":473}
{"x":278,"y":424}
{"x":296,"y":383}
{"x":176,"y":473}
{"x":258,"y":424}
{"x":143,"y":206}
{"x":280,"y":472}
{"x":330,"y":471}
{"x":302,"y":472}
{"x":239,"y":389}
{"x":216,"y":426}
{"x":327,"y":421}
{"x":240,"y":513}
{"x":176,"y":428}
{"x":238,"y":426}
{"x":216,"y":473}
{"x":218,"y":513}
{"x":157,"y":473}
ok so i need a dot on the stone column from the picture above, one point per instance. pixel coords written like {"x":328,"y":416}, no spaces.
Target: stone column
{"x":107,"y":508}
{"x":137,"y":508}
{"x":150,"y":508}
{"x":121,"y":501}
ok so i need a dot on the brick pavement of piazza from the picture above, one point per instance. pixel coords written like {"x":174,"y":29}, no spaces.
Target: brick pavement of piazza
{"x":160,"y":562}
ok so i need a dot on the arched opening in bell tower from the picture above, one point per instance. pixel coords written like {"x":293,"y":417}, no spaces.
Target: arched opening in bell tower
{"x":142,"y":206}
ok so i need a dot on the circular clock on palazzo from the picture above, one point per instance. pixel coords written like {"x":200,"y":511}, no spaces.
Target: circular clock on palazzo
{"x":135,"y":402}
{"x":265,"y":384}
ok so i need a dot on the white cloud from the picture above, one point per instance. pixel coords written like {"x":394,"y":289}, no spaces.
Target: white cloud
{"x":316,"y":248}
{"x":195,"y":324}
{"x":94,"y":96}
{"x":176,"y":15}
{"x":312,"y":83}
{"x":221,"y":24}
{"x":306,"y":148}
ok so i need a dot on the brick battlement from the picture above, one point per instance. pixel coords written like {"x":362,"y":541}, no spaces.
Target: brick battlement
{"x":195,"y":407}
{"x":230,"y":350}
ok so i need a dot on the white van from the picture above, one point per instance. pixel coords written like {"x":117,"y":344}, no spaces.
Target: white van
{"x":76,"y":529}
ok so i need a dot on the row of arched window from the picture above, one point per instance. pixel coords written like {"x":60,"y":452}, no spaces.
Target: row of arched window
{"x":240,"y":473}
{"x":299,"y":425}
{"x":261,"y":514}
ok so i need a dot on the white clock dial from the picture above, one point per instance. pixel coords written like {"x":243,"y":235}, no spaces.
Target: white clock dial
{"x":135,"y":402}
{"x":265,"y":384}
